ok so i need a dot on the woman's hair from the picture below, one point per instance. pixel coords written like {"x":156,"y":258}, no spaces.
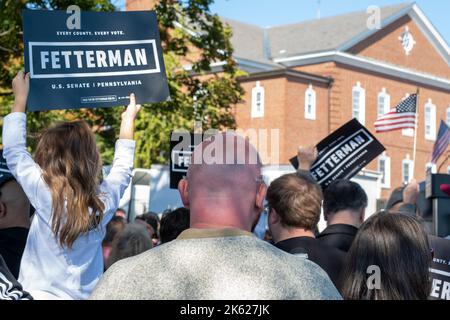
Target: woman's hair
{"x":71,"y":165}
{"x":133,"y":240}
{"x":398,"y":246}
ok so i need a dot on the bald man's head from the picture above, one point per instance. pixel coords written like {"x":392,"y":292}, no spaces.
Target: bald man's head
{"x":224,"y":186}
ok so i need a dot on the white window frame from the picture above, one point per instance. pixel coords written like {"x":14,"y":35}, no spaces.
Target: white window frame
{"x":448,"y":170}
{"x":386,"y":107}
{"x":447,"y":116}
{"x":432,"y":166}
{"x":387,"y":170}
{"x":361,"y":117}
{"x":310,"y":92}
{"x":258,"y":112}
{"x":408,"y":161}
{"x":431,"y":108}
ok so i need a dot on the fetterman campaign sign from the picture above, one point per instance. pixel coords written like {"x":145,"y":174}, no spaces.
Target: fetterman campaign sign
{"x":182,"y":145}
{"x":344,"y":153}
{"x":96,"y":64}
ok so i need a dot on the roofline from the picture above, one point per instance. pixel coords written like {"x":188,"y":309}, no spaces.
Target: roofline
{"x":256,"y":64}
{"x":289,"y":73}
{"x":366,"y":34}
{"x":367,"y":64}
{"x":427,"y":27}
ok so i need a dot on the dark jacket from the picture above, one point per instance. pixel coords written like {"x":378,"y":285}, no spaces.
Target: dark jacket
{"x":328,"y":258}
{"x":12,"y":244}
{"x":10,"y":289}
{"x":339,"y":236}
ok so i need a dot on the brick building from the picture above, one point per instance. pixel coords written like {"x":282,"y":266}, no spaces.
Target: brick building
{"x":307,"y":79}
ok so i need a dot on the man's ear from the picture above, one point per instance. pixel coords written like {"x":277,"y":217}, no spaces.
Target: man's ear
{"x":273,"y":218}
{"x":2,"y":210}
{"x":260,"y":196}
{"x":184,"y":193}
{"x":362,"y":215}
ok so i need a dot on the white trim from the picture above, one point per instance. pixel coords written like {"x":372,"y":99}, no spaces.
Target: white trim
{"x":432,"y":166}
{"x":256,"y":65}
{"x":387,"y":171}
{"x":447,"y":116}
{"x":431,"y":33}
{"x":367,"y":64}
{"x":408,"y":161}
{"x":157,"y":68}
{"x":432,"y":117}
{"x":443,"y":273}
{"x":258,"y":89}
{"x":361,"y":103}
{"x":387,"y":101}
{"x":310,"y":115}
{"x":315,"y":55}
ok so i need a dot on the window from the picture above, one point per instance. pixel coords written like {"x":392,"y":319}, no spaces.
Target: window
{"x":384,"y":102}
{"x":432,"y":166}
{"x":359,"y":103}
{"x":448,"y":170}
{"x":430,"y":120}
{"x":310,"y":103}
{"x":258,"y":101}
{"x":407,"y":167}
{"x":384,"y":167}
{"x":448,"y":116}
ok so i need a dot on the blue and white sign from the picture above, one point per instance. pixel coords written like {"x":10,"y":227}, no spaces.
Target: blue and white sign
{"x":110,"y":55}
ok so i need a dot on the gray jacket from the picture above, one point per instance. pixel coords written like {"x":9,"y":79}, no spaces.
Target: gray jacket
{"x":215,"y":264}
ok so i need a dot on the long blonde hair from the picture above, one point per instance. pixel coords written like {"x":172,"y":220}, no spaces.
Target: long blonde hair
{"x":71,"y":165}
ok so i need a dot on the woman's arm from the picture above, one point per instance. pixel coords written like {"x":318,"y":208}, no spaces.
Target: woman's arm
{"x":119,"y":177}
{"x":22,"y":166}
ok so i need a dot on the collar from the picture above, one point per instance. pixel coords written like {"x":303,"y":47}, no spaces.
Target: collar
{"x":340,"y":228}
{"x":195,"y":233}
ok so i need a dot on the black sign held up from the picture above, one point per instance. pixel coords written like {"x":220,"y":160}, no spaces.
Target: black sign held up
{"x":343,"y":153}
{"x":182,"y":145}
{"x":112,"y":55}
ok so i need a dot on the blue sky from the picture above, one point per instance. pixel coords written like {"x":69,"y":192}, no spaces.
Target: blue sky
{"x":276,"y":12}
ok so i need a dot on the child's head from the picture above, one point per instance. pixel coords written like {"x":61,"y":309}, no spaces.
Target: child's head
{"x":71,"y":165}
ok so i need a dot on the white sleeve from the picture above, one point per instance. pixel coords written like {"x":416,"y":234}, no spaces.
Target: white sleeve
{"x":118,"y":179}
{"x":22,"y":166}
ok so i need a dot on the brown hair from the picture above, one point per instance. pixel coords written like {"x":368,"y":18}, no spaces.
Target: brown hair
{"x":398,"y":246}
{"x":297,"y":200}
{"x":71,"y":165}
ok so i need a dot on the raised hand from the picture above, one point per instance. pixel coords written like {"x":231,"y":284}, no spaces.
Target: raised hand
{"x":20,"y":87}
{"x":306,"y":157}
{"x":128,"y":117}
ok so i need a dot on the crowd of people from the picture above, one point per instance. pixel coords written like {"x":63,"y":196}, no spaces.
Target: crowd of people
{"x":62,"y":235}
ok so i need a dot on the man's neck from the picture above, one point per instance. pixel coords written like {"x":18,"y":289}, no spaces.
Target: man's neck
{"x":344,"y":217}
{"x":293,"y":233}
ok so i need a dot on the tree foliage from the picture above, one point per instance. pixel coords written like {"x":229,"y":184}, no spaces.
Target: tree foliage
{"x":190,"y":36}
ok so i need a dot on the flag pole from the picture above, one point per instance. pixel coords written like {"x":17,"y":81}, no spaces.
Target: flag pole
{"x":415,"y":132}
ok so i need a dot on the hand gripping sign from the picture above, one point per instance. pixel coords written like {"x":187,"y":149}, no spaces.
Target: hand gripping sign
{"x":343,"y":153}
{"x":96,"y":62}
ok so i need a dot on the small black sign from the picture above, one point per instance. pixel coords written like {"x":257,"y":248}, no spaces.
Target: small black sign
{"x":344,"y":153}
{"x":182,"y":145}
{"x":440,"y":268}
{"x":111,"y":55}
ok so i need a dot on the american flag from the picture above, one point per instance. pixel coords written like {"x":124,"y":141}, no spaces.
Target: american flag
{"x":403,"y":116}
{"x":442,"y":142}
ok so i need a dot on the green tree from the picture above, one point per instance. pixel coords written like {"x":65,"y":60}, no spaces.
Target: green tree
{"x":190,"y":35}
